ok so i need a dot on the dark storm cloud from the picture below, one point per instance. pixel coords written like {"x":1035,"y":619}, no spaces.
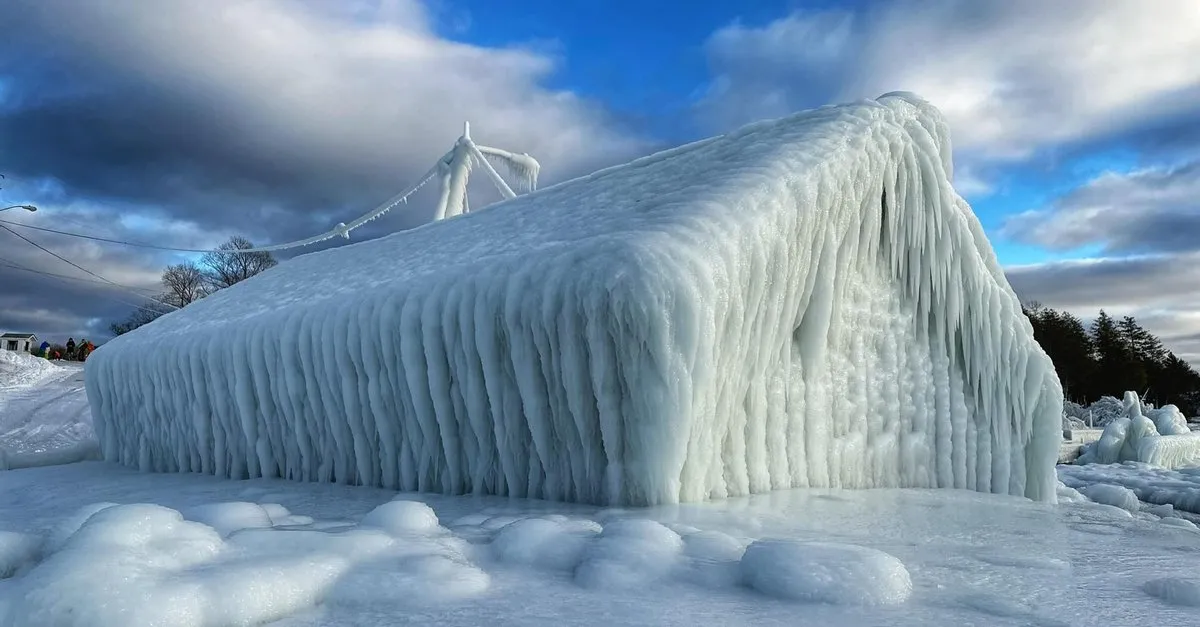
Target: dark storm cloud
{"x":1163,"y":291}
{"x":196,"y":108}
{"x":197,"y":120}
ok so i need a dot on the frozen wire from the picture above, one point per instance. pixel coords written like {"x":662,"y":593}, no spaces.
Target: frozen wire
{"x":79,"y":267}
{"x":342,"y":230}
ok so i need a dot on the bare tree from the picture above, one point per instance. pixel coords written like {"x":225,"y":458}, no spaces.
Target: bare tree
{"x":185,"y":284}
{"x":143,"y":315}
{"x":225,"y":269}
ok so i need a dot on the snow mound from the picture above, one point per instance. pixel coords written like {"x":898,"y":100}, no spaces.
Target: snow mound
{"x":1159,"y":437}
{"x":68,"y":526}
{"x":1115,"y":495}
{"x":117,"y":569}
{"x":22,"y":369}
{"x":17,"y":550}
{"x":1178,"y":522}
{"x":804,"y":302}
{"x":542,"y":543}
{"x":1175,"y":591}
{"x":402,"y":517}
{"x":840,"y":574}
{"x":228,"y":518}
{"x":628,"y":554}
{"x":144,"y":564}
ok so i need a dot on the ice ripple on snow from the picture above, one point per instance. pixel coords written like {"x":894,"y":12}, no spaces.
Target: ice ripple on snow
{"x":1175,"y":590}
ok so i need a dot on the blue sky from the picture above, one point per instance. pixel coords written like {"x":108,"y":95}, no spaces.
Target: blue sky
{"x":1075,"y":123}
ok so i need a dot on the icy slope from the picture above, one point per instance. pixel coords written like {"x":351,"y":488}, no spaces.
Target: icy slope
{"x":804,"y":302}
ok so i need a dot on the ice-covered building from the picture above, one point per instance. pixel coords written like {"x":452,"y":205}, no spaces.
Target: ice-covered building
{"x":802,"y":302}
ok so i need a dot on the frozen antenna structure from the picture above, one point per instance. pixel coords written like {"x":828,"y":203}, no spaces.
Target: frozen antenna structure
{"x":454,"y":169}
{"x":804,"y":302}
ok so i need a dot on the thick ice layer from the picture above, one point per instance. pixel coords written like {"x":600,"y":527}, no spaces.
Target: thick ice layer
{"x":1159,"y":437}
{"x":804,"y":302}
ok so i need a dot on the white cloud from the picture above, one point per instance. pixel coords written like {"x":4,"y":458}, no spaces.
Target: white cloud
{"x":1149,"y":209}
{"x":1161,"y":290}
{"x":1012,"y":76}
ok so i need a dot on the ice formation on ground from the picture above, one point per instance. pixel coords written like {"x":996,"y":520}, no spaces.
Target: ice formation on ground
{"x":1173,"y":491}
{"x":803,"y":302}
{"x":973,"y":559}
{"x":1159,"y":437}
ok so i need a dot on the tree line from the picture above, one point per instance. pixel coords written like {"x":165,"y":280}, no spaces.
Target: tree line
{"x":1111,"y":356}
{"x":188,"y":282}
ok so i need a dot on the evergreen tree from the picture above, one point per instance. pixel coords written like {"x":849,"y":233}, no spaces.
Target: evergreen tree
{"x":1179,"y":384}
{"x":1117,"y":369}
{"x":1112,"y":357}
{"x":1075,"y":354}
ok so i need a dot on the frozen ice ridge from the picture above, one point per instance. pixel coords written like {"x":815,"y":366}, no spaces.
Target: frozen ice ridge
{"x":802,"y":302}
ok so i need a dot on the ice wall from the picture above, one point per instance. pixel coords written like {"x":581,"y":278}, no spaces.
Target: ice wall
{"x":803,"y":302}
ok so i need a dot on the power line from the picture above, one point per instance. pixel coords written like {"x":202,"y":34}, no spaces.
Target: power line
{"x":342,"y":229}
{"x":77,"y":266}
{"x":90,"y":237}
{"x":62,"y":277}
{"x":8,"y":263}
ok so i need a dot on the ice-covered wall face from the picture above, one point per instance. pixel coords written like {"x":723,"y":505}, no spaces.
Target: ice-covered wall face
{"x":804,"y":302}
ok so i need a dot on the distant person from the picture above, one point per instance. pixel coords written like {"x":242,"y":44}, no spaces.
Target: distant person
{"x":70,"y":348}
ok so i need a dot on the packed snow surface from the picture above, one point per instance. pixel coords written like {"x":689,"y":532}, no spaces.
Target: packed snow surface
{"x":95,"y":544}
{"x":803,"y":302}
{"x":44,"y":414}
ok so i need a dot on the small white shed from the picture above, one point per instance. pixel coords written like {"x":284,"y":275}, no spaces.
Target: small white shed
{"x":22,"y":342}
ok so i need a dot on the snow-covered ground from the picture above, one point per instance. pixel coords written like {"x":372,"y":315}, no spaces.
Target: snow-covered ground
{"x":44,"y":415}
{"x":321,"y":554}
{"x":189,"y":549}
